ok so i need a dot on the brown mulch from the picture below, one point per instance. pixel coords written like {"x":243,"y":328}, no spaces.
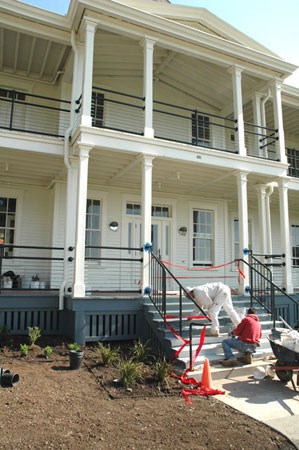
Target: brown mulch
{"x":53,"y":407}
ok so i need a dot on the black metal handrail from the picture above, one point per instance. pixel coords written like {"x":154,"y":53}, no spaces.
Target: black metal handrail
{"x":111,"y":269}
{"x":158,"y":292}
{"x":263,"y":290}
{"x":33,"y":113}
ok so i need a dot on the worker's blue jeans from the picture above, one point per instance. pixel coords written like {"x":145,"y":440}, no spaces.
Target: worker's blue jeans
{"x":237,"y":344}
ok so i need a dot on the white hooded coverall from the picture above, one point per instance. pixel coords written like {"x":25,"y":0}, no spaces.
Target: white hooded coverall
{"x":213,"y":297}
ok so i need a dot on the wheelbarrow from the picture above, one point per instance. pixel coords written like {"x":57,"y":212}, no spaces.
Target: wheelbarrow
{"x":287,"y":360}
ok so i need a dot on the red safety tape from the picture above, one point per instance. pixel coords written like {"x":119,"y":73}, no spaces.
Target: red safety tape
{"x":197,"y":388}
{"x":197,"y":268}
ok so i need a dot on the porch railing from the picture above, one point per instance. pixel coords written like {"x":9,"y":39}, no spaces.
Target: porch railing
{"x":31,"y":267}
{"x":33,"y":113}
{"x":113,"y":269}
{"x":124,"y":112}
{"x":158,"y":292}
{"x":264,"y":291}
{"x":107,"y":269}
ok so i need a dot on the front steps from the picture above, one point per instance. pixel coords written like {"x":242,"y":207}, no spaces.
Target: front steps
{"x":169,"y":344}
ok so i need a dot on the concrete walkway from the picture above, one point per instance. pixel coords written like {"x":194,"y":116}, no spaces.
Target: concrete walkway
{"x":267,"y":400}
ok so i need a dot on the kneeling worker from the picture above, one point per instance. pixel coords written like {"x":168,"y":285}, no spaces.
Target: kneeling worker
{"x":245,"y":338}
{"x":214,"y":296}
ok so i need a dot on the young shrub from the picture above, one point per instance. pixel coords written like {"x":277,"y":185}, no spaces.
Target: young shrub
{"x":75,"y":347}
{"x":34,"y":333}
{"x":130,"y":372}
{"x":24,"y":349}
{"x":48,"y":351}
{"x":161,"y":369}
{"x":109,"y":354}
{"x":141,"y":352}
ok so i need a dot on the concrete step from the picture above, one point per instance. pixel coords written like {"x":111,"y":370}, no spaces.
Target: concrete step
{"x":212,"y":348}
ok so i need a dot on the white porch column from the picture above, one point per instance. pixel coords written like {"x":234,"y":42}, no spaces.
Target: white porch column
{"x":148,"y":69}
{"x":269,"y":192}
{"x":243,"y":225}
{"x":285,"y":234}
{"x":79,"y":284}
{"x":70,"y":222}
{"x":238,"y":107}
{"x":147,"y":169}
{"x":262,"y":195}
{"x":257,"y":120}
{"x":90,"y":29}
{"x":77,"y":89}
{"x":278,"y":120}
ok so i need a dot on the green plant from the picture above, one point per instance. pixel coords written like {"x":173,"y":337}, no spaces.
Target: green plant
{"x":24,"y":349}
{"x":130,"y":371}
{"x":108,"y":353}
{"x":35,"y":277}
{"x":75,"y":347}
{"x":141,"y":352}
{"x":34,"y":333}
{"x":161,"y":369}
{"x":48,"y":351}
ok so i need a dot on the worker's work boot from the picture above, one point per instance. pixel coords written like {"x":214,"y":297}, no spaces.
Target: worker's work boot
{"x":212,"y":333}
{"x":248,"y":358}
{"x":229,"y":362}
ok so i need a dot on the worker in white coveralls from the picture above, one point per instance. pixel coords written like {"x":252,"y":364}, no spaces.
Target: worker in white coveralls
{"x":213,"y":297}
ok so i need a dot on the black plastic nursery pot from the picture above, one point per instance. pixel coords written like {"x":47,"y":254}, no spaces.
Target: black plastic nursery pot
{"x":75,"y":359}
{"x":9,"y":379}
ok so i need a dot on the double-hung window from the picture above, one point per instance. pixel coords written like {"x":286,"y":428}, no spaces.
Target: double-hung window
{"x":200,"y":129}
{"x":203,"y":237}
{"x":97,"y":109}
{"x":7,"y":221}
{"x":93,"y":228}
{"x":295,"y":245}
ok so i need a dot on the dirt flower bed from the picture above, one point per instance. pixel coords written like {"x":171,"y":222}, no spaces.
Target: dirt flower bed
{"x":53,"y":407}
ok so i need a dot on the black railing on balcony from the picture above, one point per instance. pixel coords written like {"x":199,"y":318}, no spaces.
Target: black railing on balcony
{"x":123,"y":112}
{"x":33,"y":113}
{"x":261,"y":141}
{"x":107,"y":269}
{"x":25,"y":267}
{"x":293,"y":160}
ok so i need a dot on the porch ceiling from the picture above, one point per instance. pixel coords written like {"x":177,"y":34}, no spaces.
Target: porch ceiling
{"x":27,"y":55}
{"x":123,"y":172}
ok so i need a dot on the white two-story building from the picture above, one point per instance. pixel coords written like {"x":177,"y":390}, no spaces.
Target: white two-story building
{"x":128,"y":122}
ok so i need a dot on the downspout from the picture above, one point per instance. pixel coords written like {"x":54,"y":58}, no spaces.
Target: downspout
{"x":263,"y":102}
{"x":67,"y":135}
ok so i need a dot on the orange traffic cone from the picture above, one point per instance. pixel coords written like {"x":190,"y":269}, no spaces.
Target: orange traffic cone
{"x":206,"y":378}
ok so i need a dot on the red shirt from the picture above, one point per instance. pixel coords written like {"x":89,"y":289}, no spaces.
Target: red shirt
{"x":249,"y":329}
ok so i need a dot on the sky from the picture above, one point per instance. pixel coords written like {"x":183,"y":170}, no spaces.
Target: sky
{"x":272,"y":23}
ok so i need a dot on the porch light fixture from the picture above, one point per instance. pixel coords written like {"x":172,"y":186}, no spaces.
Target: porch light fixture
{"x":183,"y":231}
{"x":113,"y":226}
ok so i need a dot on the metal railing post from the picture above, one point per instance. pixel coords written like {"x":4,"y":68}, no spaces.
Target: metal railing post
{"x":13,"y":97}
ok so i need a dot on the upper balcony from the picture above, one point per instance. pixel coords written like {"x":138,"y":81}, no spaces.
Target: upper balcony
{"x":197,"y":98}
{"x":123,"y":112}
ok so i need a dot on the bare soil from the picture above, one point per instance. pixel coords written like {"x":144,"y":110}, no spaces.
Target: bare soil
{"x":53,"y":407}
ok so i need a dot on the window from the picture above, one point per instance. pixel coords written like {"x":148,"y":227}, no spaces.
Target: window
{"x":134,"y":209}
{"x":93,"y":231}
{"x":7,"y":220}
{"x":295,"y":244}
{"x":97,"y":109}
{"x":236,"y":238}
{"x":203,"y":237}
{"x":200,"y":129}
{"x":6,"y":93}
